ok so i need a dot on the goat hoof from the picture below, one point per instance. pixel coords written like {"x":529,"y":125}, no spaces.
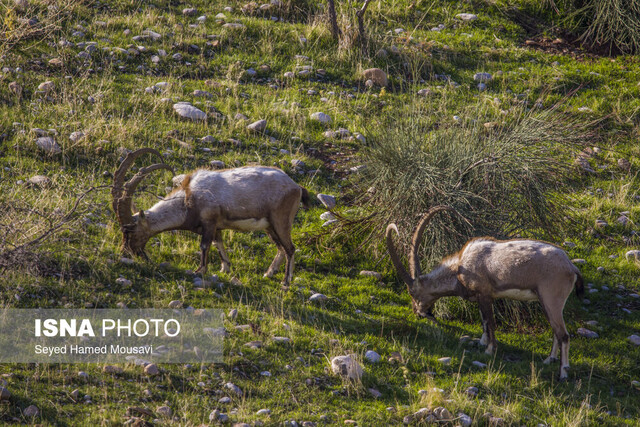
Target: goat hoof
{"x":549,"y":360}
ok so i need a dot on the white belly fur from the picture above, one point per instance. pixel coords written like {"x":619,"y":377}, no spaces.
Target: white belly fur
{"x":250,"y":224}
{"x":517,"y":294}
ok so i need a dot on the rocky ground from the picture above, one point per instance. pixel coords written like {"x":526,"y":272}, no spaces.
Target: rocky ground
{"x":222,"y":84}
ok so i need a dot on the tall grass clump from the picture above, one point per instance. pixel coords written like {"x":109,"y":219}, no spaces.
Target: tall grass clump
{"x":503,"y":180}
{"x":506,"y":181}
{"x":611,"y":24}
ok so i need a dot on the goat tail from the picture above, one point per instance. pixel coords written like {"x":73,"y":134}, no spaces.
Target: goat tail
{"x":579,"y":284}
{"x":306,"y":201}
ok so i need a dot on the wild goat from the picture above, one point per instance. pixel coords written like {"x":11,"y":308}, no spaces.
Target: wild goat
{"x":244,"y":199}
{"x":486,"y":269}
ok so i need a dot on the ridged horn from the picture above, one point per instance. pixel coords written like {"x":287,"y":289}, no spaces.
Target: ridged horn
{"x":122,"y":209}
{"x":414,"y":260}
{"x":395,"y":259}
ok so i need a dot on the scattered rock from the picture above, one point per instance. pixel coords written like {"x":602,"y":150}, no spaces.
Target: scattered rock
{"x":31,"y":411}
{"x":467,"y":16}
{"x":281,"y":340}
{"x":234,"y":26}
{"x":634,"y":339}
{"x":464,"y":419}
{"x":633,"y":254}
{"x":579,"y":261}
{"x":121,"y":281}
{"x":264,"y":412}
{"x":76,"y":136}
{"x":40,"y":181}
{"x":255,"y":345}
{"x":188,"y":111}
{"x":328,"y":201}
{"x":48,"y":145}
{"x":479,"y":364}
{"x":321,"y":117}
{"x":425,"y":92}
{"x":110,"y":369}
{"x":259,"y":126}
{"x":47,"y":86}
{"x":422,"y":415}
{"x":15,"y":88}
{"x":375,"y":393}
{"x":151,"y":369}
{"x":164,"y":411}
{"x":233,"y":388}
{"x":372,"y":356}
{"x":4,"y":394}
{"x":175,"y":304}
{"x":317,"y":297}
{"x":601,"y":223}
{"x":442,"y":414}
{"x":190,"y":11}
{"x":472,"y":391}
{"x":377,"y":76}
{"x":346,"y":366}
{"x":586,"y":333}
{"x":445,"y":360}
{"x":624,"y":164}
{"x":482,"y":77}
{"x":368,"y":273}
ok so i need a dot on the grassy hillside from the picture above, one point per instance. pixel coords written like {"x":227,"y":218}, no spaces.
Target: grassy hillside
{"x":116,"y":69}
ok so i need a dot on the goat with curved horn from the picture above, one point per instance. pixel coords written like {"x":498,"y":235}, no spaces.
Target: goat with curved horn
{"x":486,"y":269}
{"x":244,"y":199}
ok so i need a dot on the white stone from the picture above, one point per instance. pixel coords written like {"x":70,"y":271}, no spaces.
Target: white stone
{"x":188,"y":111}
{"x":264,"y":412}
{"x":467,"y":16}
{"x":151,"y":369}
{"x":259,"y":126}
{"x":445,"y":360}
{"x":328,"y":201}
{"x":317,"y":297}
{"x":464,"y":419}
{"x":175,"y":304}
{"x":482,"y":77}
{"x":634,"y":339}
{"x":234,"y":26}
{"x":321,"y":117}
{"x":48,"y":145}
{"x":31,"y":411}
{"x":479,"y":364}
{"x":233,"y":388}
{"x":164,"y":411}
{"x":634,"y":254}
{"x":76,"y":136}
{"x":47,"y":86}
{"x":372,"y":356}
{"x":586,"y":333}
{"x":346,"y":366}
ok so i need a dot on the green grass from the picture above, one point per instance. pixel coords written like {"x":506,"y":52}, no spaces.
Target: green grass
{"x":77,"y":266}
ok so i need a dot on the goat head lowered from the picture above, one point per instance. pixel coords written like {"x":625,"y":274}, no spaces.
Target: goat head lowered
{"x":486,"y":269}
{"x":245,"y":199}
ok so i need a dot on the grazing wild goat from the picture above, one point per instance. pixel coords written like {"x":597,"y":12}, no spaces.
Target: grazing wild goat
{"x":243,"y":199}
{"x":486,"y":269}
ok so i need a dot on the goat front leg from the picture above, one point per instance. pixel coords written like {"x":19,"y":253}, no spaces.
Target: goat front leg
{"x":488,"y":325}
{"x":205,"y":245}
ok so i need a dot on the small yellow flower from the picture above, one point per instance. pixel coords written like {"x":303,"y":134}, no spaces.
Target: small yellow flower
{"x":383,"y":92}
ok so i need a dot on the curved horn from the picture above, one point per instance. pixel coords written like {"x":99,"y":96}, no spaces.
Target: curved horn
{"x":124,"y":204}
{"x":402,"y":272}
{"x":414,"y":260}
{"x":123,"y":211}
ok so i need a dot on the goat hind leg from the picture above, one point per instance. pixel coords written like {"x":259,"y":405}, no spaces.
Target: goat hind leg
{"x":488,"y":325}
{"x":224,"y":259}
{"x":205,"y":245}
{"x":553,"y":356}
